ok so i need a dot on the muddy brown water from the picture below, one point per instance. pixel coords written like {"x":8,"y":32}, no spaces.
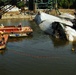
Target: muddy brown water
{"x":39,"y":54}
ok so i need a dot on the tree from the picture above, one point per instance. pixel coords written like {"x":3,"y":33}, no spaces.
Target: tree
{"x":20,"y":4}
{"x":65,"y":3}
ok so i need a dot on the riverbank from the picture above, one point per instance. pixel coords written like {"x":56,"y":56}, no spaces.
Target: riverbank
{"x":17,"y":15}
{"x":70,"y":11}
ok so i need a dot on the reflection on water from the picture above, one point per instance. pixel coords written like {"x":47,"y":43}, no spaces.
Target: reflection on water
{"x":14,"y":22}
{"x":58,"y":42}
{"x":14,"y":39}
{"x":2,"y":52}
{"x":39,"y":54}
{"x":73,"y":47}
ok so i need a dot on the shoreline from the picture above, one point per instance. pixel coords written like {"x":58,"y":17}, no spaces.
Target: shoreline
{"x":70,"y":11}
{"x":17,"y":15}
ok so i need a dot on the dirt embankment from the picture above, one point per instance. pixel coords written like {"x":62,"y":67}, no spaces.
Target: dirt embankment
{"x":70,"y":11}
{"x":14,"y":15}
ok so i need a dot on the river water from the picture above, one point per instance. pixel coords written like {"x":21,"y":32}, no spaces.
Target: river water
{"x":39,"y":54}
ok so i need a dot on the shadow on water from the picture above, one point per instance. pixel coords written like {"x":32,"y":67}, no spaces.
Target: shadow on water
{"x":73,"y":47}
{"x":14,"y":39}
{"x":2,"y":52}
{"x":39,"y":54}
{"x":58,"y":42}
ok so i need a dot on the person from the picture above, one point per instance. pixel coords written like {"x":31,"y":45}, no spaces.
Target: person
{"x":20,"y":26}
{"x":2,"y":26}
{"x":2,"y":40}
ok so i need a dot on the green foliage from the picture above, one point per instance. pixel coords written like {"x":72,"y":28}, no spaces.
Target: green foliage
{"x":61,"y":3}
{"x":3,"y":0}
{"x":20,"y":4}
{"x":66,"y":3}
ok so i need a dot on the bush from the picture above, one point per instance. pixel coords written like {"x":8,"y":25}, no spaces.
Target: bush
{"x":20,"y":4}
